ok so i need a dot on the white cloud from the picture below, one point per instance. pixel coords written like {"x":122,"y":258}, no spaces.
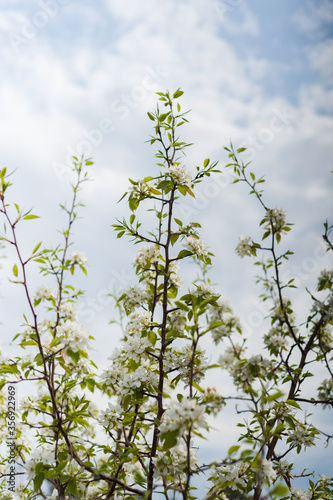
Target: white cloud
{"x":321,"y":59}
{"x":313,"y":16}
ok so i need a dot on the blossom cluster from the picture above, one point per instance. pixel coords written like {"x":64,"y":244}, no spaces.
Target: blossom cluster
{"x":222,"y":315}
{"x":181,"y":415}
{"x":45,"y":455}
{"x":196,"y":245}
{"x":180,"y":360}
{"x":78,"y":258}
{"x":244,"y":246}
{"x":174,"y":463}
{"x":276,"y":220}
{"x":147,"y":256}
{"x":44,"y":292}
{"x":179,"y":174}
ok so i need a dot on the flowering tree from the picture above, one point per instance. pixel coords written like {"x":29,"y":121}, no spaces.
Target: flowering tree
{"x":144,"y":443}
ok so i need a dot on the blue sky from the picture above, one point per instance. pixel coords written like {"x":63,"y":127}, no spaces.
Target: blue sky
{"x":258,"y":73}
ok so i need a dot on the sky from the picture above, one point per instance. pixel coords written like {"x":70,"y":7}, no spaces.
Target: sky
{"x":79,"y":77}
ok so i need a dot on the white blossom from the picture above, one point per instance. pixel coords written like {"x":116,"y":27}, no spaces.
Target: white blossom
{"x":228,"y":359}
{"x":244,"y":246}
{"x":44,"y":455}
{"x":68,"y":311}
{"x":325,"y":309}
{"x":325,"y":391}
{"x":54,"y":495}
{"x":174,"y":277}
{"x":325,"y":279}
{"x":203,"y":290}
{"x":300,"y":494}
{"x":174,"y":462}
{"x":139,"y":188}
{"x":78,"y":258}
{"x":27,"y":403}
{"x":75,"y":337}
{"x":133,"y":297}
{"x":268,"y":471}
{"x":182,"y":414}
{"x":301,"y":437}
{"x":276,"y":218}
{"x":147,"y":256}
{"x":282,"y":410}
{"x":20,"y":491}
{"x":212,"y":400}
{"x":276,"y":339}
{"x":8,"y":494}
{"x":279,"y":314}
{"x":112,"y":415}
{"x":180,"y":175}
{"x":223,"y":312}
{"x":135,"y":346}
{"x":324,"y":480}
{"x":139,"y":378}
{"x":180,"y":360}
{"x":196,"y":246}
{"x":44,"y":292}
{"x":132,"y":468}
{"x":177,"y":321}
{"x":232,"y":472}
{"x":283,"y":467}
{"x":138,"y":321}
{"x":81,"y":368}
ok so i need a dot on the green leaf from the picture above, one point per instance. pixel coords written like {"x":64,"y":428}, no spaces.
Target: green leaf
{"x":181,"y":305}
{"x":183,"y":253}
{"x":30,"y":217}
{"x":182,"y":189}
{"x":72,"y":488}
{"x":233,"y":449}
{"x":190,"y":192}
{"x":177,"y":94}
{"x":162,"y":117}
{"x":174,"y":238}
{"x":206,"y":162}
{"x":36,"y":247}
{"x":170,"y":439}
{"x":216,"y":324}
{"x":280,"y":490}
{"x":74,"y":355}
{"x":38,"y":481}
{"x":15,"y":271}
{"x":180,"y":397}
{"x":291,"y":402}
{"x":133,"y":203}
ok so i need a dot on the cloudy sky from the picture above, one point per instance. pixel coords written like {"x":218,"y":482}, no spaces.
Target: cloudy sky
{"x":78,"y":76}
